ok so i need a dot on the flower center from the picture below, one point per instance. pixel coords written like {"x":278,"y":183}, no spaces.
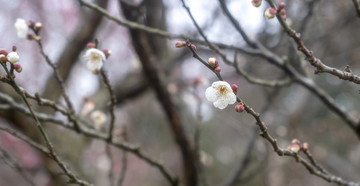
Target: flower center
{"x":95,"y":57}
{"x":223,"y":89}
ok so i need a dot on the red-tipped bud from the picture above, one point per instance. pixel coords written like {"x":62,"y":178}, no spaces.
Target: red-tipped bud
{"x":107,"y":52}
{"x":281,"y":6}
{"x":305,"y":146}
{"x":295,"y":141}
{"x":3,"y":58}
{"x":270,"y":13}
{"x":37,"y":27}
{"x":91,"y":45}
{"x":213,"y":62}
{"x":294,"y":148}
{"x":234,"y":87}
{"x":31,"y":24}
{"x":3,"y":51}
{"x":240,"y":107}
{"x":256,"y":3}
{"x":18,"y":68}
{"x":217,"y":69}
{"x":14,"y":48}
{"x":194,"y":47}
{"x":180,"y":44}
{"x":283,"y":13}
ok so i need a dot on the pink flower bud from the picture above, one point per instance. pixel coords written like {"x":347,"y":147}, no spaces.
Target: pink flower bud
{"x":294,"y":148}
{"x":217,"y":69}
{"x":213,"y":62}
{"x":240,"y":107}
{"x":14,"y":48}
{"x":18,"y":68}
{"x":281,"y":6}
{"x":305,"y":146}
{"x":283,"y":13}
{"x":3,"y":51}
{"x":270,"y":13}
{"x":107,"y":52}
{"x":180,"y":44}
{"x":91,"y":45}
{"x":256,"y":3}
{"x":295,"y":141}
{"x":3,"y":58}
{"x":234,"y":87}
{"x":194,"y":47}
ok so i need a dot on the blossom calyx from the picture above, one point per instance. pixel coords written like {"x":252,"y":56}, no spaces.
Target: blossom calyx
{"x":221,"y":94}
{"x":270,"y":13}
{"x":256,"y":3}
{"x":13,"y":57}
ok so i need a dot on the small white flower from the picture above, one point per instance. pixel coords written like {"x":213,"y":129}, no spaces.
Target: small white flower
{"x":13,"y":57}
{"x":99,"y":118}
{"x":221,"y":94}
{"x":95,"y":59}
{"x":21,"y":28}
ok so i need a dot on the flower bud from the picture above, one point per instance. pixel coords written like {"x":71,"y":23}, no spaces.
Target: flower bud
{"x":305,"y":146}
{"x":283,"y":13}
{"x":213,"y":62}
{"x":31,"y":24}
{"x":91,"y":45}
{"x":270,"y":13}
{"x":234,"y":87}
{"x":3,"y":58}
{"x":180,"y":44}
{"x":13,"y":57}
{"x":240,"y":107}
{"x":256,"y":3}
{"x":37,"y":27}
{"x":217,"y":69}
{"x":294,"y":148}
{"x":14,"y":48}
{"x":3,"y":51}
{"x":194,"y":47}
{"x":281,"y":6}
{"x":107,"y":52}
{"x":295,"y":141}
{"x":18,"y":68}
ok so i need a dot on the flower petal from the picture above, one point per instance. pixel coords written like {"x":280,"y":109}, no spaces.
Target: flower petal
{"x":94,"y":65}
{"x":230,"y":98}
{"x":211,"y":94}
{"x":221,"y":104}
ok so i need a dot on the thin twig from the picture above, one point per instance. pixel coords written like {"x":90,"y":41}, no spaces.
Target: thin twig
{"x":111,"y":159}
{"x":106,"y":81}
{"x":54,"y":156}
{"x":61,"y":83}
{"x":284,"y":152}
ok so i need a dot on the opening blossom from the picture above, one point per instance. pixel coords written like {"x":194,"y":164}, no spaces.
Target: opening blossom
{"x":221,"y":94}
{"x":95,"y":59}
{"x":21,"y":28}
{"x":13,"y":57}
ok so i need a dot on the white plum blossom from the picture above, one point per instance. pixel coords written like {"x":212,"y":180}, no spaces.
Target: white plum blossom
{"x":21,"y":28}
{"x":13,"y":57}
{"x":99,"y":118}
{"x":95,"y":59}
{"x":221,"y":94}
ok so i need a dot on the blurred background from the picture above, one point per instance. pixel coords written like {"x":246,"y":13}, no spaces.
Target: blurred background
{"x":328,"y":27}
